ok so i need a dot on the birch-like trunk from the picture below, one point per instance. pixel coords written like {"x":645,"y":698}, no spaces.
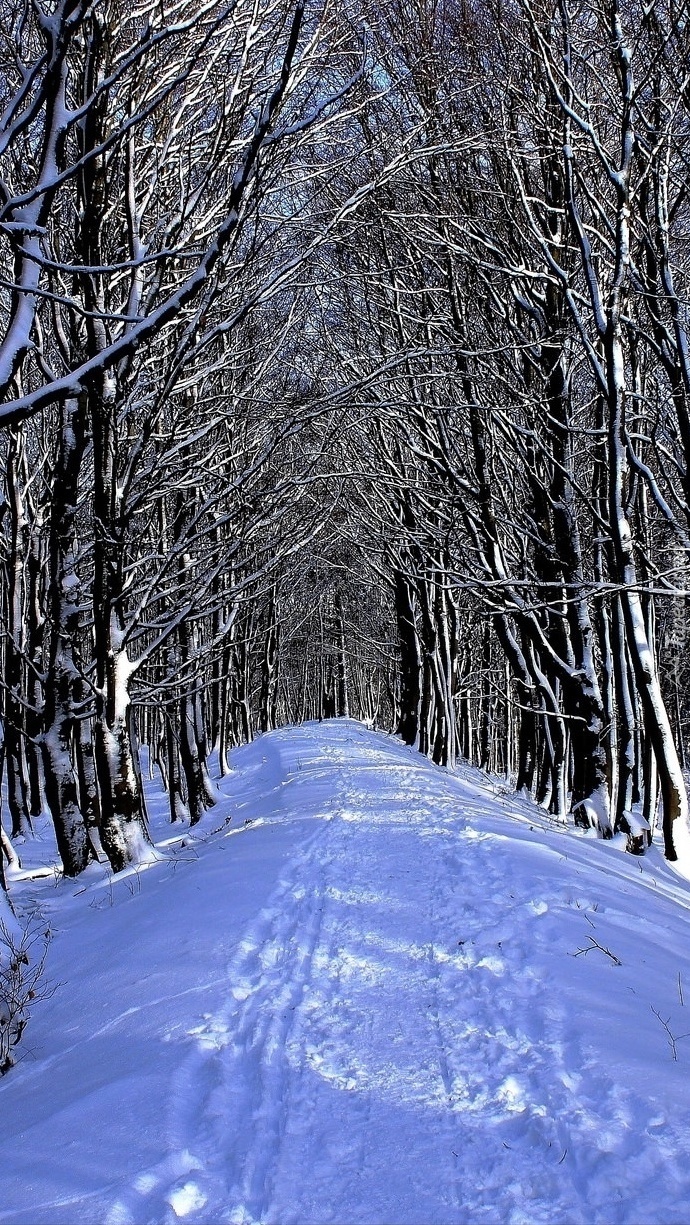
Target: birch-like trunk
{"x":124,"y":833}
{"x":657,"y":723}
{"x":62,"y":674}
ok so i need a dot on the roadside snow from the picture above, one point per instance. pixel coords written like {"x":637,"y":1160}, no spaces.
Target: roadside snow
{"x":393,"y":997}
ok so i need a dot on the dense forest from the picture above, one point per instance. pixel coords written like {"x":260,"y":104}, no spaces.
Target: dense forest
{"x":345,"y":369}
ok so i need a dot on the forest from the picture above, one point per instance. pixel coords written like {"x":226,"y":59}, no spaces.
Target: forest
{"x":344,"y":370}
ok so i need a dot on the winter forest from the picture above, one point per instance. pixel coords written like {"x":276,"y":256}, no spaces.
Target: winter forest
{"x":344,"y":371}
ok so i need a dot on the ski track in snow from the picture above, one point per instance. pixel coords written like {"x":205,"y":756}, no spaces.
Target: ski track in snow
{"x":404,"y":1034}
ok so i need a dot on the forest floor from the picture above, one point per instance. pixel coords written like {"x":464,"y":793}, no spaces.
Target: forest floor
{"x":367,"y":992}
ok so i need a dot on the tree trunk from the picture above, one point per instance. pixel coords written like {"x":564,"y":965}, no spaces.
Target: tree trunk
{"x":124,"y":834}
{"x":410,"y":660}
{"x":62,"y":675}
{"x":17,"y":782}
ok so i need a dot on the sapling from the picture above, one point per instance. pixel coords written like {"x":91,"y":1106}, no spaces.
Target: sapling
{"x":22,"y":984}
{"x":671,"y":1038}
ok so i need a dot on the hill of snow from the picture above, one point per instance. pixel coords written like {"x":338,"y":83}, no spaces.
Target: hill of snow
{"x":368,"y":991}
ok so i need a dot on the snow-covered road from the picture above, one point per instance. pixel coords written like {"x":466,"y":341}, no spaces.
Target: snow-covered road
{"x":383,"y":1002}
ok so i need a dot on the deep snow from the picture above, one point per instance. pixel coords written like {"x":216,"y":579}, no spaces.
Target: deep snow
{"x":379,"y":1001}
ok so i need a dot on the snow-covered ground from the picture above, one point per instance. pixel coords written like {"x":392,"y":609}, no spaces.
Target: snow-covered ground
{"x":368,"y":991}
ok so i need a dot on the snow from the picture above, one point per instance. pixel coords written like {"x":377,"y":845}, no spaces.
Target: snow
{"x":366,"y":990}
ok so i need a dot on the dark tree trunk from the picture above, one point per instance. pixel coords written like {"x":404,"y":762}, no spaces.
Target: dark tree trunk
{"x":17,"y":782}
{"x":410,"y":660}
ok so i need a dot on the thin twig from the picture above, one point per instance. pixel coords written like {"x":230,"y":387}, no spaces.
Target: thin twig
{"x":594,"y":944}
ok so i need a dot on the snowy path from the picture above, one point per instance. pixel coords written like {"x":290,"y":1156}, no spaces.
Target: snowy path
{"x":404,"y":1029}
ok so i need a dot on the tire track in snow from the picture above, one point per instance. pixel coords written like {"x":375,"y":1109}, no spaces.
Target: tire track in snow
{"x":264,"y":1031}
{"x":245,"y":1114}
{"x":215,"y":1108}
{"x":234,"y":1096}
{"x":319,"y":1138}
{"x":490,"y":1009}
{"x":551,"y":1123}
